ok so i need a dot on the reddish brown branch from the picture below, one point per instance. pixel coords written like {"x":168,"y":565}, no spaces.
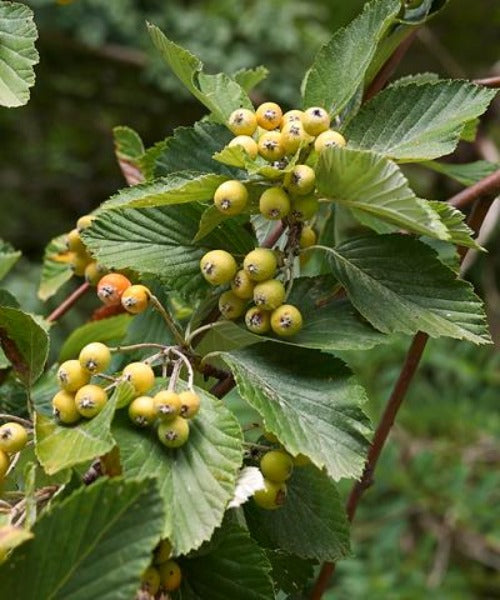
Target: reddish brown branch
{"x":68,"y":302}
{"x":488,"y":185}
{"x":492,"y":82}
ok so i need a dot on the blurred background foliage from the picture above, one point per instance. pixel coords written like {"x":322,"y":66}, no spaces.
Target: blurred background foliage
{"x":429,"y":527}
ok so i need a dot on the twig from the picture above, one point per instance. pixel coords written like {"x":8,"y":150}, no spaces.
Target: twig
{"x":488,"y":185}
{"x":70,"y":301}
{"x":220,"y":389}
{"x":20,"y":420}
{"x":492,"y":82}
{"x":179,"y":338}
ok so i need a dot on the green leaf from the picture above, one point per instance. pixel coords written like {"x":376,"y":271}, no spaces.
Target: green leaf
{"x":17,"y":53}
{"x":250,"y":78}
{"x":231,"y":566}
{"x":219,"y":93}
{"x":158,"y":241}
{"x":59,"y":447}
{"x":290,"y":573}
{"x":191,"y":149}
{"x":340,"y":65}
{"x":104,"y":330}
{"x":453,"y":219}
{"x":315,"y":410}
{"x":24,"y":339}
{"x":93,"y":544}
{"x":418,"y":79}
{"x":376,"y":192}
{"x":8,"y":258}
{"x":177,"y":188}
{"x":417,"y":122}
{"x":466,"y":174}
{"x":211,"y":218}
{"x":312,"y":522}
{"x":399,"y":285}
{"x":56,"y":270}
{"x":129,"y":151}
{"x":197,"y":480}
{"x":11,"y":537}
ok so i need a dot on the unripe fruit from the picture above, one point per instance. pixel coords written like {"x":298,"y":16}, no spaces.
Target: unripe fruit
{"x":4,"y":464}
{"x":273,"y":496}
{"x":301,"y":460}
{"x":269,"y":115}
{"x":135,"y":299}
{"x":270,"y":294}
{"x":231,"y":197}
{"x":300,"y":180}
{"x":304,"y":208}
{"x":150,"y":581}
{"x":72,"y":376}
{"x":230,"y":306}
{"x":274,"y":203}
{"x":327,"y":139}
{"x":258,"y":320}
{"x":64,"y":408}
{"x":218,"y":267}
{"x":286,"y":320}
{"x":84,"y":222}
{"x":167,"y":405}
{"x":308,"y":237}
{"x":271,"y":146}
{"x":140,"y":376}
{"x":170,"y":576}
{"x":95,"y":357}
{"x":292,"y":116}
{"x":242,"y":285}
{"x":13,"y":437}
{"x":79,"y":262}
{"x":162,"y":552}
{"x":316,"y":120}
{"x":74,"y":242}
{"x":242,"y":121}
{"x":111,"y":287}
{"x":292,"y":136}
{"x":260,"y":264}
{"x":271,"y":437}
{"x":142,"y":411}
{"x":94,"y":272}
{"x":90,"y":400}
{"x":276,"y":465}
{"x":175,"y":433}
{"x":190,"y":404}
{"x":247,"y":143}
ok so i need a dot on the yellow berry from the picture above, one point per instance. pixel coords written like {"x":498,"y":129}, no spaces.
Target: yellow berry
{"x":273,"y":496}
{"x":231,"y":197}
{"x":150,"y":581}
{"x":72,"y":376}
{"x":170,"y":576}
{"x":190,"y":404}
{"x":162,"y":552}
{"x":316,"y":120}
{"x":293,"y":136}
{"x":286,"y":320}
{"x":79,"y":262}
{"x":260,"y":264}
{"x":94,"y":272}
{"x":271,"y":146}
{"x":218,"y":267}
{"x":242,"y":121}
{"x":304,"y":207}
{"x":327,"y":139}
{"x":175,"y":433}
{"x":242,"y":285}
{"x":308,"y":237}
{"x":13,"y":437}
{"x":84,"y":222}
{"x":95,"y":357}
{"x":276,"y":465}
{"x":74,"y":242}
{"x":269,"y":115}
{"x":4,"y":464}
{"x":90,"y":400}
{"x":248,"y":144}
{"x":300,"y":180}
{"x":167,"y":405}
{"x":64,"y":408}
{"x":140,"y":375}
{"x":258,"y":320}
{"x":142,"y":411}
{"x":274,"y":203}
{"x":230,"y":306}
{"x":292,"y":116}
{"x":135,"y":299}
{"x":269,"y":294}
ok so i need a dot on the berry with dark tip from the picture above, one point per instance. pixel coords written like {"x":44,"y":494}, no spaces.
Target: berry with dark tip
{"x":218,"y":267}
{"x":286,"y":320}
{"x":230,"y":306}
{"x":269,"y":115}
{"x":231,"y":197}
{"x":242,"y":121}
{"x":274,"y":203}
{"x":269,"y":294}
{"x":273,"y":495}
{"x":167,"y":405}
{"x":95,"y":357}
{"x":13,"y":437}
{"x":90,"y":400}
{"x":242,"y":285}
{"x":316,"y":120}
{"x":142,"y":411}
{"x":175,"y":433}
{"x":258,"y":320}
{"x":260,"y":264}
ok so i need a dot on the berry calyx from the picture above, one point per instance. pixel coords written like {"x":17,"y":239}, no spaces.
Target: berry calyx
{"x":84,"y":222}
{"x":64,"y":408}
{"x":316,"y":120}
{"x":269,"y":294}
{"x":4,"y":464}
{"x":271,"y":146}
{"x":242,"y":285}
{"x":170,"y":576}
{"x":94,"y":272}
{"x":257,"y":320}
{"x":175,"y":433}
{"x":142,"y":411}
{"x":230,"y":306}
{"x":111,"y":287}
{"x":90,"y":400}
{"x":242,"y":121}
{"x":218,"y":267}
{"x":231,"y":197}
{"x":260,"y":264}
{"x":95,"y":357}
{"x":167,"y":405}
{"x":269,"y":115}
{"x":140,"y":376}
{"x":273,"y":496}
{"x":135,"y":299}
{"x":13,"y":437}
{"x":248,"y":144}
{"x":300,"y":180}
{"x":286,"y":320}
{"x":308,"y":237}
{"x":276,"y":465}
{"x":190,"y":404}
{"x":274,"y":203}
{"x":304,"y":208}
{"x":328,"y":139}
{"x":74,"y":242}
{"x":292,"y":136}
{"x":162,"y":552}
{"x":72,"y":376}
{"x":150,"y":581}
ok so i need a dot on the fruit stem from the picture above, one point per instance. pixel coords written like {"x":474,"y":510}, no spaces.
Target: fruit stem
{"x":175,"y":375}
{"x":20,"y":420}
{"x":68,"y":303}
{"x":193,"y":334}
{"x":168,"y":320}
{"x":188,"y":365}
{"x":133,"y":347}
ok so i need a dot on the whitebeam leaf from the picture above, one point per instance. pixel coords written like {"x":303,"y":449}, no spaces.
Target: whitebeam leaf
{"x":376,"y":192}
{"x":310,"y":400}
{"x":398,"y":284}
{"x":417,"y":121}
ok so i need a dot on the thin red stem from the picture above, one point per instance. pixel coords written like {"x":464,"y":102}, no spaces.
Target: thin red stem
{"x":488,"y":185}
{"x":492,"y":82}
{"x":68,"y":303}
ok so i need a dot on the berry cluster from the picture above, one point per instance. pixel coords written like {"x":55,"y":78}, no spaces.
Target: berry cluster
{"x":13,"y":438}
{"x":80,"y":260}
{"x":255,"y":281}
{"x":164,"y":574}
